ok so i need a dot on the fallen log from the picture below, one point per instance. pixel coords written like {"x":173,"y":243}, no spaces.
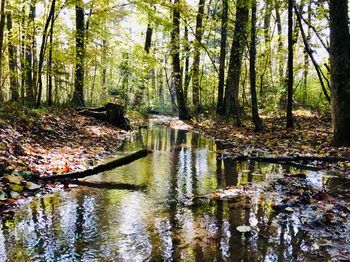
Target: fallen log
{"x":99,"y":168}
{"x":109,"y":185}
{"x":111,"y":113}
{"x":327,"y":159}
{"x":291,"y":161}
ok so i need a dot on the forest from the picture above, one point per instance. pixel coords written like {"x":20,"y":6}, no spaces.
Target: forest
{"x":218,"y":130}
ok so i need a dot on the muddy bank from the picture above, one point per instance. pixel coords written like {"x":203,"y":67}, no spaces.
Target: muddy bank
{"x":46,"y":143}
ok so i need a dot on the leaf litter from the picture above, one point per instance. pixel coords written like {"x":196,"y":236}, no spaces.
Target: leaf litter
{"x":35,"y":144}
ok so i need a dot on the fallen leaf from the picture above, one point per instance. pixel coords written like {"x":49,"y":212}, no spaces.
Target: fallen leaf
{"x":13,"y":179}
{"x":2,"y":196}
{"x":17,"y":188}
{"x":32,"y":186}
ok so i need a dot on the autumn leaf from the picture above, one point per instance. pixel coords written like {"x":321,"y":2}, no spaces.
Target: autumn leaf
{"x":13,"y":179}
{"x":66,"y":168}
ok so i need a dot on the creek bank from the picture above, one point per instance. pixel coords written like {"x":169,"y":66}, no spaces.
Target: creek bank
{"x":48,"y":143}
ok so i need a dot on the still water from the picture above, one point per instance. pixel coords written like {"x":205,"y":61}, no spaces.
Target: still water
{"x":159,"y":220}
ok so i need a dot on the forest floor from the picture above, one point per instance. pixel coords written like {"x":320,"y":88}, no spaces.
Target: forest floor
{"x":311,"y":136}
{"x":44,"y":143}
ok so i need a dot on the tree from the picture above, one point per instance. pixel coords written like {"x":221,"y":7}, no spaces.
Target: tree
{"x":78,"y":96}
{"x":42,"y":52}
{"x":177,"y":78}
{"x":196,"y":58}
{"x":2,"y":26}
{"x":50,"y":62}
{"x":235,"y":64}
{"x":223,"y":42}
{"x":14,"y":84}
{"x":29,"y":65}
{"x":255,"y":112}
{"x":340,"y":71}
{"x":290,"y":81}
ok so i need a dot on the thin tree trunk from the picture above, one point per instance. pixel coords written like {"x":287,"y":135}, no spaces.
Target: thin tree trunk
{"x":310,"y":53}
{"x":50,"y":72}
{"x":22,"y":56}
{"x":187,"y":74}
{"x":175,"y":45}
{"x":104,"y":69}
{"x":255,"y":112}
{"x":148,"y":41}
{"x":2,"y":28}
{"x":14,"y":84}
{"x":29,"y":63}
{"x":42,"y":53}
{"x":306,"y":55}
{"x":280,"y":41}
{"x":196,"y":58}
{"x":224,"y":17}
{"x":340,"y":71}
{"x":290,"y":66}
{"x":235,"y":65}
{"x":78,"y":96}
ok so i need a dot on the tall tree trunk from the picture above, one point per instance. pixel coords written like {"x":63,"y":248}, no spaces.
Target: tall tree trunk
{"x":42,"y":53}
{"x":22,"y":55}
{"x":306,"y":55}
{"x":196,"y":58}
{"x":148,"y":40}
{"x":290,"y":65}
{"x":310,"y":54}
{"x":340,"y":71}
{"x":2,"y":28}
{"x":78,"y":96}
{"x":235,"y":65}
{"x":255,"y":112}
{"x":175,"y":45}
{"x":221,"y":87}
{"x":29,"y":63}
{"x":50,"y":72}
{"x":187,"y":74}
{"x":104,"y":69}
{"x":14,"y":84}
{"x":280,"y":42}
{"x":267,"y":39}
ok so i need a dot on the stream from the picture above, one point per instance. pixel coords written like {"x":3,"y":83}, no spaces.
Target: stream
{"x":162,"y":219}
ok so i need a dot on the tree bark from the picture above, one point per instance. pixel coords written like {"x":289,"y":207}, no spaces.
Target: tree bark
{"x":290,"y":66}
{"x":340,"y":71}
{"x":310,"y":54}
{"x":14,"y":84}
{"x":2,"y":28}
{"x":42,"y":53}
{"x":29,"y":65}
{"x":187,"y":74}
{"x":196,"y":58}
{"x":221,"y":87}
{"x":235,"y":64}
{"x":255,"y":112}
{"x":98,"y":169}
{"x":50,"y":72}
{"x":175,"y":46}
{"x":78,"y":95}
{"x":148,"y":41}
{"x":280,"y":41}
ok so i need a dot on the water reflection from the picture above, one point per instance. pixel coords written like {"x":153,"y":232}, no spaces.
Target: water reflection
{"x":161,"y":222}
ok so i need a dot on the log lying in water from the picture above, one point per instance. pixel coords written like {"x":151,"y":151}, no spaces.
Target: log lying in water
{"x":111,"y":113}
{"x":99,"y":168}
{"x":291,"y":161}
{"x":327,"y":159}
{"x":109,"y":185}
